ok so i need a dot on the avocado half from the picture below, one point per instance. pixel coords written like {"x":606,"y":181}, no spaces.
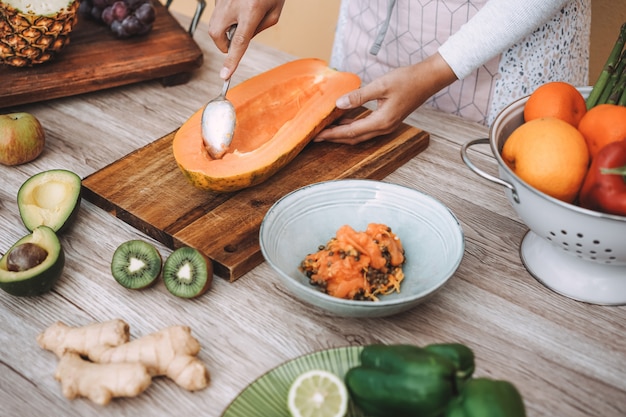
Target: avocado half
{"x":50,"y":198}
{"x":40,"y":278}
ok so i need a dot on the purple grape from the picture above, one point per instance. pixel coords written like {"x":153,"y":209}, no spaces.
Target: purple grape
{"x":131,"y":25}
{"x":125,"y":18}
{"x":134,"y":4}
{"x":84,"y":8}
{"x":107,"y":16}
{"x":145,"y":13}
{"x":96,"y":13}
{"x":100,"y":4}
{"x":120,"y":10}
{"x":145,"y":29}
{"x":118,"y":29}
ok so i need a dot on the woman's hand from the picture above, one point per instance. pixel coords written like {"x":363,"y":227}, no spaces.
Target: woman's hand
{"x":250,"y":16}
{"x":397,"y":94}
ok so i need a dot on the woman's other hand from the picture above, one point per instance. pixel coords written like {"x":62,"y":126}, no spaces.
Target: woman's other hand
{"x":397,"y":94}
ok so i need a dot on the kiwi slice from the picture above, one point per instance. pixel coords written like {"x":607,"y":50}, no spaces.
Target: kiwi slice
{"x":187,"y":273}
{"x":136,"y":264}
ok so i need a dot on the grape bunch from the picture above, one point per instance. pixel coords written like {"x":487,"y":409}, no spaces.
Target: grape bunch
{"x":125,"y":18}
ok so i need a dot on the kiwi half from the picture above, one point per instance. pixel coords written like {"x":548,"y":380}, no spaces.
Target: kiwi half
{"x":187,"y":273}
{"x":136,"y":264}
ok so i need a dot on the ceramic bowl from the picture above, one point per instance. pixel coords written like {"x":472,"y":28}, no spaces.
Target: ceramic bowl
{"x":301,"y":221}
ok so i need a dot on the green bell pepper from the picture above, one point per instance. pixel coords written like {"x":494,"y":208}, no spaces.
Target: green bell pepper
{"x":405,"y":380}
{"x":460,"y":355}
{"x":483,"y":397}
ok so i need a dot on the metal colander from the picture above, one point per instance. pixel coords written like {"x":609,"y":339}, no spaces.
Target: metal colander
{"x":574,"y":251}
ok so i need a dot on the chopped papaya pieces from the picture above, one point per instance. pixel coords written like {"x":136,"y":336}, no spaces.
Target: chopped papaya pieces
{"x":357,"y":265}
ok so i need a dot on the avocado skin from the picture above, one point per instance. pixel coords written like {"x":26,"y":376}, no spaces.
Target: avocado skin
{"x":29,"y":283}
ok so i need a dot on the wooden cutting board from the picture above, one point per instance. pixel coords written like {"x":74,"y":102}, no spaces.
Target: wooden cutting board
{"x":95,"y":60}
{"x":147,"y":190}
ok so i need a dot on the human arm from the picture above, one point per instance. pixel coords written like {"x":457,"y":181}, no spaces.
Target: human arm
{"x":488,"y":33}
{"x":495,"y":27}
{"x":397,"y":94}
{"x":250,"y":16}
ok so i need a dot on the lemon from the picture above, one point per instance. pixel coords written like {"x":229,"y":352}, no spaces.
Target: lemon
{"x":318,"y":393}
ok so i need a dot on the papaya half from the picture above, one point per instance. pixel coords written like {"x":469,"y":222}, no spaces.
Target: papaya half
{"x":278,"y":113}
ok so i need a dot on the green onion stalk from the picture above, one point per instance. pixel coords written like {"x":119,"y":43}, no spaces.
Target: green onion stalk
{"x":615,"y":85}
{"x":610,"y":68}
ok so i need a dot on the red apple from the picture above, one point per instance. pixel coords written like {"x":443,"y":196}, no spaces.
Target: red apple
{"x":22,"y":138}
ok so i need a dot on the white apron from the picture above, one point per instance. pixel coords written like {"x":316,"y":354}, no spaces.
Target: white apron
{"x":375,"y":36}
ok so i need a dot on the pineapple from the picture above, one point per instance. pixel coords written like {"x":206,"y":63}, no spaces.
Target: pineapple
{"x":33,"y":31}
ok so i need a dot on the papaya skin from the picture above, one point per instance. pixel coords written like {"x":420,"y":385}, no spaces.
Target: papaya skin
{"x":278,"y":113}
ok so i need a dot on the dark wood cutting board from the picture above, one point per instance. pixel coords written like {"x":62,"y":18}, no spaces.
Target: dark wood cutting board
{"x":147,"y":190}
{"x":95,"y":60}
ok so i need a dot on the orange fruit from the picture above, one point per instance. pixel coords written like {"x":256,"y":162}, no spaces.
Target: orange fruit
{"x":550,"y":155}
{"x":603,"y":124}
{"x":556,"y":99}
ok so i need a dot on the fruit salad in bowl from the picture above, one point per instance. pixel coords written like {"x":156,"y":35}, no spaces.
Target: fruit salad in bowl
{"x":298,"y":231}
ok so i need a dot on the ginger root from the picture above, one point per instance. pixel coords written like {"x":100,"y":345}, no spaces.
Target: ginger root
{"x":170,"y":352}
{"x":60,"y":338}
{"x":98,"y":382}
{"x":117,"y":366}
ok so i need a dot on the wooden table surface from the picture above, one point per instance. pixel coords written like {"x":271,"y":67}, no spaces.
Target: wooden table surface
{"x":567,"y":358}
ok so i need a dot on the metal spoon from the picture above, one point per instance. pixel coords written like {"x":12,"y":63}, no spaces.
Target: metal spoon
{"x":219,"y":118}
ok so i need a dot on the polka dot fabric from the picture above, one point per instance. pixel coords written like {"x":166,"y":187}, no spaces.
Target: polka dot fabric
{"x":557,"y":51}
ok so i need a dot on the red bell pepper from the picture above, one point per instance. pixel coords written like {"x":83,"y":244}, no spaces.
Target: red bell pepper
{"x":604,"y":188}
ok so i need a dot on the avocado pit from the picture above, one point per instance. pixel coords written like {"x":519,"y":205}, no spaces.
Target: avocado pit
{"x":25,"y":256}
{"x":33,"y":264}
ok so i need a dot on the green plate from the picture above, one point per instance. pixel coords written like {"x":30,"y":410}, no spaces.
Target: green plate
{"x":267,"y":396}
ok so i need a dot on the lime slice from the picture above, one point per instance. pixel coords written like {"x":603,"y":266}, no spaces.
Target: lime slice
{"x":318,"y":393}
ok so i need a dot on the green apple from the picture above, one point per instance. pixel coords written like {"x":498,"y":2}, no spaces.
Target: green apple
{"x":22,"y":138}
